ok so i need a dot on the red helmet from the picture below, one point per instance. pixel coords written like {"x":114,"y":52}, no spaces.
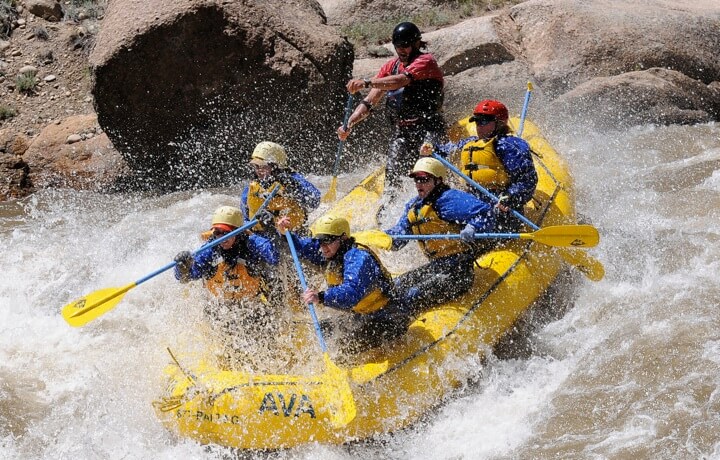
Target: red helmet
{"x":493,"y":108}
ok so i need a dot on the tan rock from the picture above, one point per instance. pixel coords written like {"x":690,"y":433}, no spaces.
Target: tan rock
{"x":471,"y":43}
{"x":50,"y":10}
{"x":91,"y":164}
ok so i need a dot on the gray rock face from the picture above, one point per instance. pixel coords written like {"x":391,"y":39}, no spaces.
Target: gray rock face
{"x":185,"y":89}
{"x":650,"y":96}
{"x":568,"y":42}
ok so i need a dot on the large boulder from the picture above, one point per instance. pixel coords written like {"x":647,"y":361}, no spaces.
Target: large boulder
{"x":567,"y":42}
{"x":50,"y":10}
{"x":186,"y":88}
{"x":468,"y":44}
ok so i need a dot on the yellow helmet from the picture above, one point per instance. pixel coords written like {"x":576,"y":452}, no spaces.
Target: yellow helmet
{"x":269,"y":152}
{"x":227,"y":216}
{"x":330,"y":227}
{"x":430,"y":166}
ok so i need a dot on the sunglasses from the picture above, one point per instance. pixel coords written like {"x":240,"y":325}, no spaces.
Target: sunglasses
{"x":482,"y":120}
{"x":218,"y":233}
{"x":422,"y":179}
{"x":325,"y":240}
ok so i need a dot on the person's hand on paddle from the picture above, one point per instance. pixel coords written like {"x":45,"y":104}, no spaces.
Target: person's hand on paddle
{"x":184,"y":260}
{"x":355,"y":85}
{"x":501,"y":205}
{"x":343,"y":133}
{"x":311,"y":296}
{"x":467,"y":234}
{"x":426,"y":149}
{"x":283,"y":224}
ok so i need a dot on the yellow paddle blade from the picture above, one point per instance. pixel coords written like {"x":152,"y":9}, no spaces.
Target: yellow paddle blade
{"x":344,"y":411}
{"x":331,"y":194}
{"x":373,"y":238}
{"x":586,"y":264}
{"x":93,"y":305}
{"x":577,"y":236}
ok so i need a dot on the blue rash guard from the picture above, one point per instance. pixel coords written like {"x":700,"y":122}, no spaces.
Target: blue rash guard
{"x":253,"y":249}
{"x":299,"y":188}
{"x":453,"y":206}
{"x":514,"y":154}
{"x":361,"y":273}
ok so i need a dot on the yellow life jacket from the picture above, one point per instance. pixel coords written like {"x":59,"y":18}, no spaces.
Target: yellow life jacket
{"x":427,"y":222}
{"x":280,"y":205}
{"x":373,"y":300}
{"x":479,"y":161}
{"x":234,"y":283}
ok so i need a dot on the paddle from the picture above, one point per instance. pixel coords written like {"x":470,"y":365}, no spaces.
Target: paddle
{"x":95,"y":304}
{"x":558,"y":235}
{"x":336,"y":377}
{"x":332,"y":191}
{"x":589,"y":266}
{"x":524,"y":109}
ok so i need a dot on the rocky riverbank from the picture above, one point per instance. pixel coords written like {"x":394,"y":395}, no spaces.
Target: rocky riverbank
{"x":183,"y":89}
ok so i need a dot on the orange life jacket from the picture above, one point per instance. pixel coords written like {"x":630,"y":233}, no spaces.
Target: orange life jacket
{"x":234,"y":283}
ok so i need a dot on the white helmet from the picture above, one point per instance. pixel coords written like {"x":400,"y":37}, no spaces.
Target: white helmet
{"x":227,"y":216}
{"x":430,"y":166}
{"x":269,"y":152}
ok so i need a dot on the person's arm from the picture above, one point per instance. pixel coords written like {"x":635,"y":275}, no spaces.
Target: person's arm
{"x":385,"y":81}
{"x":514,"y":153}
{"x":360,"y":274}
{"x":362,"y":111}
{"x":402,"y":227}
{"x":243,"y":202}
{"x":444,"y":150}
{"x":261,"y":248}
{"x":308,"y":248}
{"x":201,"y":267}
{"x":305,"y":192}
{"x":463,"y":208}
{"x":383,"y":84}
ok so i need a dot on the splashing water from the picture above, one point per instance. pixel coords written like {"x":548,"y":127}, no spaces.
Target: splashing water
{"x":631,"y":370}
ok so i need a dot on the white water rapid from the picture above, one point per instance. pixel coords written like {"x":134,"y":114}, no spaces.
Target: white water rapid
{"x":632,"y":370}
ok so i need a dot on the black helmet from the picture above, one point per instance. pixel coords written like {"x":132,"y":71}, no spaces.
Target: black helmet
{"x":405,"y":34}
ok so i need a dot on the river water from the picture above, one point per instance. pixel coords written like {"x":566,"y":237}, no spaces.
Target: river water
{"x":631,"y":370}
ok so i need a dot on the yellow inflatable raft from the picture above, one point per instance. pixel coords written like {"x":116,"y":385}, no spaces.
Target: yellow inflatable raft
{"x":393,"y":386}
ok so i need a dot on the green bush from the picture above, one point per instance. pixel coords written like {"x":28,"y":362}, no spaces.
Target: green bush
{"x":6,"y":112}
{"x":26,"y":82}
